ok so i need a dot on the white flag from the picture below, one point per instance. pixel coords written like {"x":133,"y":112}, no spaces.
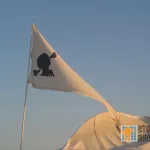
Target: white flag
{"x":49,"y":71}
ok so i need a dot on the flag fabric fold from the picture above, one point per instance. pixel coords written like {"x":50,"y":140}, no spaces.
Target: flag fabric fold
{"x":50,"y":72}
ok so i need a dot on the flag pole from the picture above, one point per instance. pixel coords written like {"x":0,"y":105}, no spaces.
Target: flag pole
{"x":26,"y":92}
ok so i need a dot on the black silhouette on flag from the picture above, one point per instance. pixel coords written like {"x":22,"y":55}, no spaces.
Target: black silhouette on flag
{"x":43,"y":62}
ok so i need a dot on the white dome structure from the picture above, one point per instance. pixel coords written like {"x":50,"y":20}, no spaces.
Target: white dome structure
{"x":100,"y":133}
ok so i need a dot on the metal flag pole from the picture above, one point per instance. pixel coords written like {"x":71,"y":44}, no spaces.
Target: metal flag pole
{"x":26,"y":91}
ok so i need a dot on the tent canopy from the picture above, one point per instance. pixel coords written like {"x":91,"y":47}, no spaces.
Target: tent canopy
{"x":100,"y":133}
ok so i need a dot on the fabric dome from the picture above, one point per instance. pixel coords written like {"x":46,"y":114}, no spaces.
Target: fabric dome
{"x":100,"y":133}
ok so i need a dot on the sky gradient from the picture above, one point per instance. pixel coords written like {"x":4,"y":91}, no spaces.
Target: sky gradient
{"x":106,"y":42}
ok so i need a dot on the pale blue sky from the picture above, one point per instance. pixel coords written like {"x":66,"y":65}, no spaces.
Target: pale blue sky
{"x":106,"y":42}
